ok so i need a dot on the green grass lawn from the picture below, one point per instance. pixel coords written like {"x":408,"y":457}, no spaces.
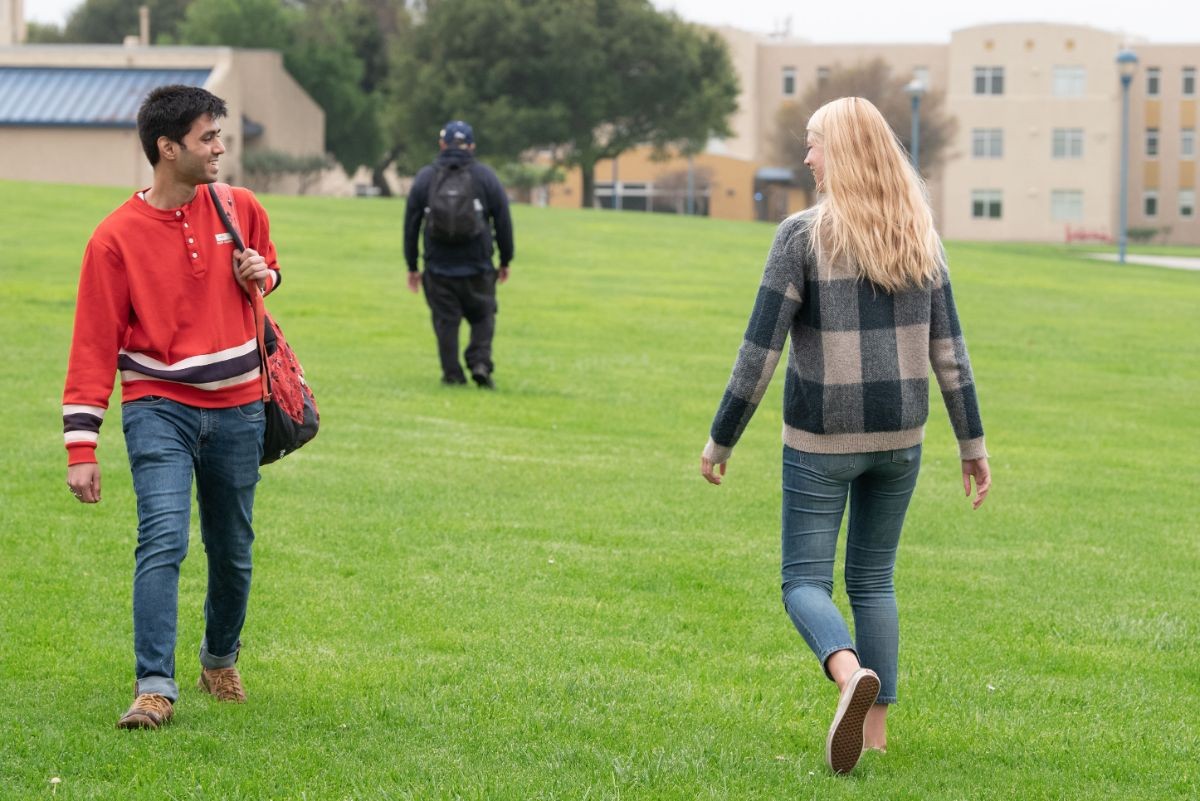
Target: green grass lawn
{"x":532,"y":594}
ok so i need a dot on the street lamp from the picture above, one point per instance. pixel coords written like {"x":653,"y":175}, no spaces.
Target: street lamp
{"x":1126,"y":66}
{"x":915,"y":89}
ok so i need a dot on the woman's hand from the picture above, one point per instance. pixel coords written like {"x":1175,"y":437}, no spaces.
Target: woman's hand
{"x":706,"y":470}
{"x":976,"y":469}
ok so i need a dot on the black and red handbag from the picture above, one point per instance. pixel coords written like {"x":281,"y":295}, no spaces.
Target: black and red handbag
{"x":291,"y":409}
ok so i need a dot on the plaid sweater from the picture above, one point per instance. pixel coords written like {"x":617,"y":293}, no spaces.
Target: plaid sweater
{"x":858,"y":372}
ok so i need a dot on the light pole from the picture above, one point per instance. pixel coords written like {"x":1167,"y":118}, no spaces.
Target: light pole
{"x":915,"y":89}
{"x":1126,"y":66}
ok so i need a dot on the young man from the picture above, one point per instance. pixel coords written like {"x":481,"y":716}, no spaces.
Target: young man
{"x":460,"y":202}
{"x":162,"y":299}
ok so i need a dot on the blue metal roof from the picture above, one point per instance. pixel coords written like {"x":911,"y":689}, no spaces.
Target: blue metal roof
{"x":86,"y":97}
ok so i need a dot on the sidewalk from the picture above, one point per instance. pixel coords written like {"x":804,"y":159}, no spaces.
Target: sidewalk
{"x":1174,"y":262}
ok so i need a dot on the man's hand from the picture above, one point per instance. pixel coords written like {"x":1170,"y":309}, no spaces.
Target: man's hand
{"x":84,"y":481}
{"x":503,"y":274}
{"x":414,"y":281}
{"x":976,"y":469}
{"x":249,"y":266}
{"x":706,"y":470}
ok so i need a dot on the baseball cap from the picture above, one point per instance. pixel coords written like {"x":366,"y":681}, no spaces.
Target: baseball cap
{"x":457,"y":133}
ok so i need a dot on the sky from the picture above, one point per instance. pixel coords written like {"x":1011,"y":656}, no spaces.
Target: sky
{"x":929,"y":21}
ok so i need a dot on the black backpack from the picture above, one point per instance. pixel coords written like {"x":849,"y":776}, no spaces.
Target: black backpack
{"x":454,"y":214}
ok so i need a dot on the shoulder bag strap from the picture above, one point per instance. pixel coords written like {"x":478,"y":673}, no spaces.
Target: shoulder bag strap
{"x":222,"y":194}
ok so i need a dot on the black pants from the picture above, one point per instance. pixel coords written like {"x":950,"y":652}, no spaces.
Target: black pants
{"x":452,"y":299}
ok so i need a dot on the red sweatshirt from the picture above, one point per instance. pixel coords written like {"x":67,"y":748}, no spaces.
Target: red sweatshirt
{"x":158,"y":301}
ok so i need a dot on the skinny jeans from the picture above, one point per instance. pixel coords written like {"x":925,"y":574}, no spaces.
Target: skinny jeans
{"x":816,"y":487}
{"x":171,"y":445}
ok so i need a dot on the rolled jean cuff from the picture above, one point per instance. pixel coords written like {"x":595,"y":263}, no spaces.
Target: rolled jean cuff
{"x":158,"y":685}
{"x":211,"y":662}
{"x":830,"y":651}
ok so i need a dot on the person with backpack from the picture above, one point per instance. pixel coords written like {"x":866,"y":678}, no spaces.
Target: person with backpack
{"x":460,"y":202}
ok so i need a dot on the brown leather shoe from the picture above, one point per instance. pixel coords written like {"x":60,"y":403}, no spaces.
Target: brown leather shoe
{"x":224,"y":684}
{"x":149,"y":711}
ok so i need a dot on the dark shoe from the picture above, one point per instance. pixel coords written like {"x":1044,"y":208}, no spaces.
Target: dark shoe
{"x":844,"y":745}
{"x":149,"y":711}
{"x":483,"y":376}
{"x":455,"y":381}
{"x":224,"y":684}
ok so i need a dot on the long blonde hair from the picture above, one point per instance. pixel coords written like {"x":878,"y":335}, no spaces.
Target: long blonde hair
{"x":875,"y":215}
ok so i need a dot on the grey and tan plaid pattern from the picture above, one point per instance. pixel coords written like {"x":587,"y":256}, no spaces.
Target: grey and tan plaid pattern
{"x":858,"y":371}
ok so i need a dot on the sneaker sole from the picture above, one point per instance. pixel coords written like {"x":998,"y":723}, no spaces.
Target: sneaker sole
{"x":844,"y":745}
{"x":142,"y":721}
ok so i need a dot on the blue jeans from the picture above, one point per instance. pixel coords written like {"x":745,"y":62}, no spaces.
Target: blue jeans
{"x":169,"y":443}
{"x":815,"y":486}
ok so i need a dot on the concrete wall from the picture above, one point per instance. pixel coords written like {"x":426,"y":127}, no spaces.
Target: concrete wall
{"x":12,"y":22}
{"x":105,"y":156}
{"x":1028,"y":112}
{"x":1170,"y":113}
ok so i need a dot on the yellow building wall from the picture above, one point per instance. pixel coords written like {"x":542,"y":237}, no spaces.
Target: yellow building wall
{"x":731,"y":184}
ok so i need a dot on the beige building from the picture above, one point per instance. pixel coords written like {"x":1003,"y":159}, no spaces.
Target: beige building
{"x":1037,"y":153}
{"x":68,"y":112}
{"x":1036,"y":156}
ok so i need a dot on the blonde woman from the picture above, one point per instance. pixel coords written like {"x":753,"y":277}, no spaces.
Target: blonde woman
{"x":860,"y":283}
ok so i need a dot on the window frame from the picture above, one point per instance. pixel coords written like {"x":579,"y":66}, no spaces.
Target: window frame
{"x":987,"y":143}
{"x":1075,"y":79}
{"x":992,"y":78}
{"x":990,"y":202}
{"x":1071,"y":140}
{"x":788,"y":77}
{"x":1187,"y":210}
{"x":1075,"y":195}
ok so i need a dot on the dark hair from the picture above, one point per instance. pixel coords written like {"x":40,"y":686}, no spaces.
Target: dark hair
{"x":170,"y":111}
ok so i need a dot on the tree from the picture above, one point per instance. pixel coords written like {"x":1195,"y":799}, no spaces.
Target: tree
{"x":588,"y":79}
{"x":43,"y":33}
{"x":874,"y":81}
{"x":110,"y":21}
{"x":318,"y":53}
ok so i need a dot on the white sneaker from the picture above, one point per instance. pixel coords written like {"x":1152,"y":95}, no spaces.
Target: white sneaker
{"x":844,"y":745}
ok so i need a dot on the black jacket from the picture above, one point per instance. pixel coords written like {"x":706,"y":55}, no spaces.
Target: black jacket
{"x":467,"y":258}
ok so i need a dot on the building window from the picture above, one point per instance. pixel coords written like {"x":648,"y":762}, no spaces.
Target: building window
{"x":1067,"y":143}
{"x":987,"y":143}
{"x":1187,"y":143}
{"x":986,"y":204}
{"x":989,"y":80}
{"x":921,"y":76}
{"x":1066,"y":205}
{"x":1152,"y":142}
{"x":1187,"y":202}
{"x":1150,"y":203}
{"x":822,"y":77}
{"x":1070,"y":81}
{"x":1189,"y":81}
{"x":1153,"y":81}
{"x":789,"y":81}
